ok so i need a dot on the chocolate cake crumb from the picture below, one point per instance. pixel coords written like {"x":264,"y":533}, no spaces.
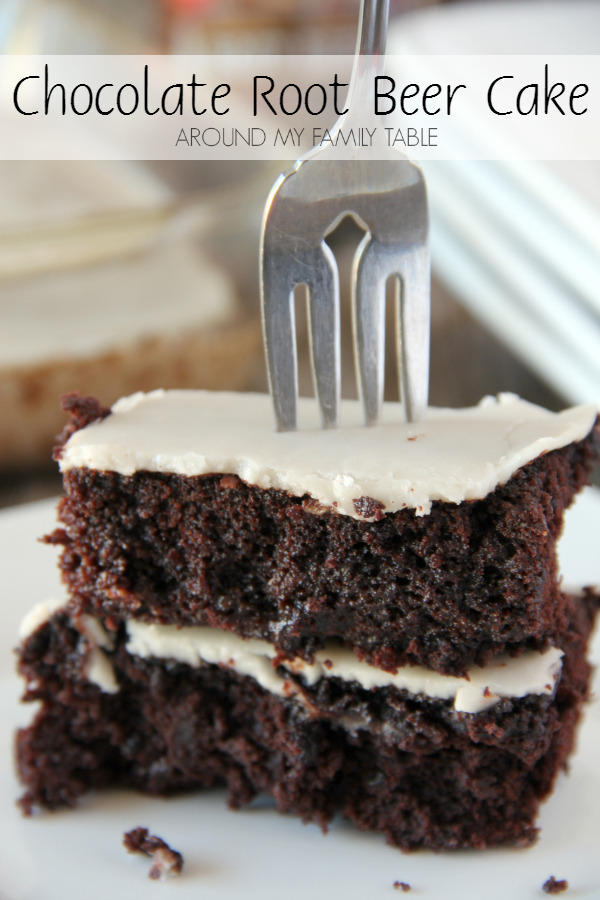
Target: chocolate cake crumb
{"x":316,"y":507}
{"x":403,"y":886}
{"x":230,"y":482}
{"x":83,"y":411}
{"x":552,"y":886}
{"x":27,"y":804}
{"x":166,"y":862}
{"x":369,"y":508}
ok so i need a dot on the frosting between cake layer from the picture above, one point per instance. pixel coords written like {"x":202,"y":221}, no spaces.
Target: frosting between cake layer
{"x":531,"y":673}
{"x":39,"y":615}
{"x":98,"y":667}
{"x":454,"y":455}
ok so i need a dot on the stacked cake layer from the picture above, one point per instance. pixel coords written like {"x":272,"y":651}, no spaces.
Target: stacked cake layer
{"x":366,"y":621}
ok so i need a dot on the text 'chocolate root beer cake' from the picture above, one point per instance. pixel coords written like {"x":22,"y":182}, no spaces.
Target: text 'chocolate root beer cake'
{"x":362,"y":620}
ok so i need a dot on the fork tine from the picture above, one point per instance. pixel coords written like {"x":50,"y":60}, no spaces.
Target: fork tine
{"x":282,"y":271}
{"x":413,"y":329}
{"x":279,"y":329}
{"x":374,"y":263}
{"x":324,"y":318}
{"x":368,"y":322}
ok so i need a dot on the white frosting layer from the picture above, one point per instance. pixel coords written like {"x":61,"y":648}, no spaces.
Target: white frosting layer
{"x":530,"y":673}
{"x":99,"y":670}
{"x":39,"y":615}
{"x":98,"y":667}
{"x":95,"y":632}
{"x":455,"y":455}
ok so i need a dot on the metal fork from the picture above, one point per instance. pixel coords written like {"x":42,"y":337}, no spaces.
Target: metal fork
{"x":386,"y":197}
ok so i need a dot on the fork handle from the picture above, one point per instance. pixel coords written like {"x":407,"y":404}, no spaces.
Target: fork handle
{"x":368,"y":61}
{"x":372,"y":30}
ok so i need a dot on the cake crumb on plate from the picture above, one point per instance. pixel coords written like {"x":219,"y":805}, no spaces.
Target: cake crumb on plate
{"x":166,"y":862}
{"x":552,"y":886}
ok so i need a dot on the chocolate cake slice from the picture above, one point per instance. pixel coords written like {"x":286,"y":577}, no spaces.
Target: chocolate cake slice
{"x":366,"y":621}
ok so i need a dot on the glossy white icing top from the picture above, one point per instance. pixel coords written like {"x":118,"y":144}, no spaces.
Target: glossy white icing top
{"x":530,"y":673}
{"x":454,"y":455}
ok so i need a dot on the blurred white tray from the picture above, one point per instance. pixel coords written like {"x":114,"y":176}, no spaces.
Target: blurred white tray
{"x":518,"y":243}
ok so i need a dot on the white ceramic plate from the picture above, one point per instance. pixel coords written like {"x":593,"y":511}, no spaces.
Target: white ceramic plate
{"x":258,"y":854}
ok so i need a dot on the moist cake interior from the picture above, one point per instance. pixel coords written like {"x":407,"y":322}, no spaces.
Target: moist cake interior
{"x":383,"y":636}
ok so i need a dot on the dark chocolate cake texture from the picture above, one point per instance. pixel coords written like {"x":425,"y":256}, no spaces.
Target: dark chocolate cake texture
{"x":366,"y":621}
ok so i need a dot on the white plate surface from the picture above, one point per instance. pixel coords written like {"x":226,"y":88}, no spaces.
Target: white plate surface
{"x":257,"y":854}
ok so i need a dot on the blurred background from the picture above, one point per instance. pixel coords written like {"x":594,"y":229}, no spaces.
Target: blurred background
{"x":117,"y":277}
